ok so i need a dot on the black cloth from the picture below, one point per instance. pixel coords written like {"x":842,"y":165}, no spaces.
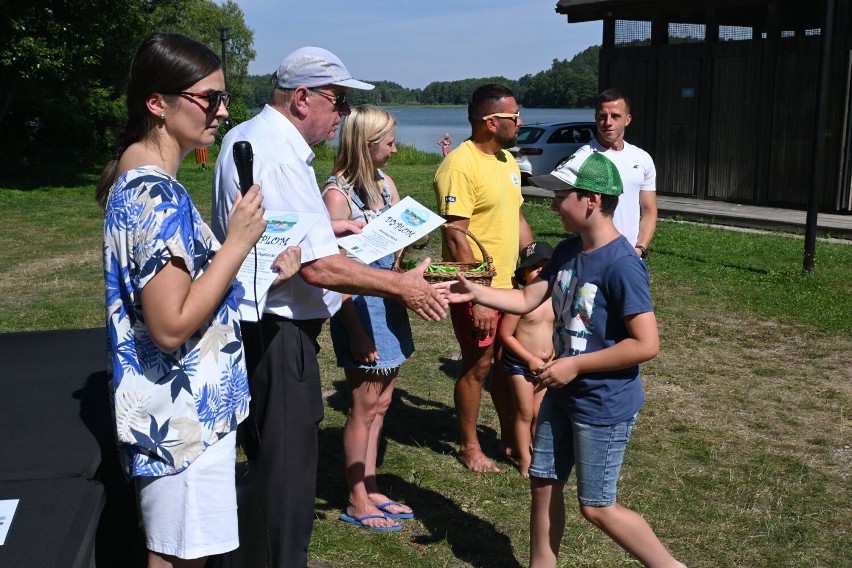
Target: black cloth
{"x":54,"y":524}
{"x":282,"y":431}
{"x":57,"y":424}
{"x":52,"y":426}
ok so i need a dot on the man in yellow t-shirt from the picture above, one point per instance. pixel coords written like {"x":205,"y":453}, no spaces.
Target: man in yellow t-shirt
{"x":478,"y":187}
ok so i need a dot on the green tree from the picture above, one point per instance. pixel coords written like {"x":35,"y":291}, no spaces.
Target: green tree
{"x":201,"y":20}
{"x":567,"y":84}
{"x":63,"y":65}
{"x":257,"y":91}
{"x":59,"y":63}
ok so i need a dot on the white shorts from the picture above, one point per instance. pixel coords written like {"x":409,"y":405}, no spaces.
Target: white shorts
{"x":193,"y":513}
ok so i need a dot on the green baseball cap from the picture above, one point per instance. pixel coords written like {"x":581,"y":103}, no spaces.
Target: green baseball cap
{"x":592,"y":172}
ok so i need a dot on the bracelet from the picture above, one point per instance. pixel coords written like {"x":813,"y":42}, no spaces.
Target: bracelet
{"x":643,"y":250}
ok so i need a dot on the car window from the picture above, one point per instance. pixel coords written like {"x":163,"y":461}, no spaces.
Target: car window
{"x":564,"y":135}
{"x":585,"y":135}
{"x":529,"y":134}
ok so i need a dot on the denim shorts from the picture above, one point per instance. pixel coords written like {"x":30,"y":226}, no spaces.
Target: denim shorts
{"x":385,"y":320}
{"x":597,"y":452}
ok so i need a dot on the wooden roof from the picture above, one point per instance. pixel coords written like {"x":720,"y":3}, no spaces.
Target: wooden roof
{"x":802,"y":13}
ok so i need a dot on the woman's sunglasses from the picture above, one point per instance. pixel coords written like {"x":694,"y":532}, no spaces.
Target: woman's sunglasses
{"x":214,"y":99}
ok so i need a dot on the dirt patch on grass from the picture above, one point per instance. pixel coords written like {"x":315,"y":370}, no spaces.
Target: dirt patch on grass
{"x":758,"y":381}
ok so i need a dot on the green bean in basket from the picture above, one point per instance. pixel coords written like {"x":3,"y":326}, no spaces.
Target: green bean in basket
{"x":441,"y":268}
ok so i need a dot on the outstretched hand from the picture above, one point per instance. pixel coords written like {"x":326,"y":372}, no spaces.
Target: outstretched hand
{"x":456,"y":291}
{"x":420,"y":297}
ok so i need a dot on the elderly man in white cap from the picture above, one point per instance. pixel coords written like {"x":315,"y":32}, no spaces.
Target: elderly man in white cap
{"x":308,"y":102}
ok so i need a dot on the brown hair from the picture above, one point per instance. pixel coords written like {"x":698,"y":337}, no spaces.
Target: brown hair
{"x":163,"y":63}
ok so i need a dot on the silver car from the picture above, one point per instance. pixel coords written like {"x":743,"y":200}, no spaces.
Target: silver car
{"x":542,"y":146}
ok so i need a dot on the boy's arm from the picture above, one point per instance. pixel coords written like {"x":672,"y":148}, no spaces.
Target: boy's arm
{"x":506,"y":300}
{"x":642,"y":344}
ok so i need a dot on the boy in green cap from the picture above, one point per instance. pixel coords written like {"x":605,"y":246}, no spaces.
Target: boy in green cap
{"x":605,"y":327}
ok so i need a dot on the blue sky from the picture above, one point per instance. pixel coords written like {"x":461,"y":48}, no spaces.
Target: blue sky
{"x":416,"y":42}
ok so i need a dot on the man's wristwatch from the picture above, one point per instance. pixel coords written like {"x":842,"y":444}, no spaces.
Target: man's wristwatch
{"x":643,"y":250}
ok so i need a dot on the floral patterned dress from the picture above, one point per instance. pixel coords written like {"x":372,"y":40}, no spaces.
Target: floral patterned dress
{"x":168,"y":406}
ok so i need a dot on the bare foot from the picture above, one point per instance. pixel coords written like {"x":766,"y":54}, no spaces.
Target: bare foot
{"x":475,"y":460}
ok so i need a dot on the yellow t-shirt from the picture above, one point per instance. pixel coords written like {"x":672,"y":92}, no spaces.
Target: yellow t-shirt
{"x":486,"y":189}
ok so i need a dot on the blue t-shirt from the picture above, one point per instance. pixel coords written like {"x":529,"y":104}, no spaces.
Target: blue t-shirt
{"x":592,"y":293}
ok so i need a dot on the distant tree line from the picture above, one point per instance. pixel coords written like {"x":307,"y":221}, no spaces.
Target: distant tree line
{"x":63,"y":67}
{"x":567,"y":84}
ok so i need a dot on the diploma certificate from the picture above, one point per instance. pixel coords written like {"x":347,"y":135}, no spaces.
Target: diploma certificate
{"x":396,"y":228}
{"x":283,"y":229}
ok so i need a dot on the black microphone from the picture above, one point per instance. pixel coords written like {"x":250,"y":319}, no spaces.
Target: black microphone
{"x":243,"y":158}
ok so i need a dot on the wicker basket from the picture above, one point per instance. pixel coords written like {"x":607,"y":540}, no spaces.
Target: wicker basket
{"x":464,"y":268}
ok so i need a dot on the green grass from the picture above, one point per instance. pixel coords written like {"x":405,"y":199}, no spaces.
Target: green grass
{"x":741,"y":456}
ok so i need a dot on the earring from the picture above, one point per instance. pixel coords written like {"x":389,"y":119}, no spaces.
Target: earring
{"x":163,"y":116}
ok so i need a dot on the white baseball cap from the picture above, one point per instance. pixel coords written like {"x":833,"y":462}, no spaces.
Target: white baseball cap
{"x":315,"y":67}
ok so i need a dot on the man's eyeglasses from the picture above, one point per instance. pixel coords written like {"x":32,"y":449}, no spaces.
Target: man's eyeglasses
{"x":214,"y":99}
{"x":513,"y":117}
{"x":338,"y":100}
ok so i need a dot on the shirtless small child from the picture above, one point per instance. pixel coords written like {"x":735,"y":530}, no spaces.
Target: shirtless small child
{"x":528,"y":344}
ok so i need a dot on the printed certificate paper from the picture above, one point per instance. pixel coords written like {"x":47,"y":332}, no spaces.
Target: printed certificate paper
{"x":7,"y":511}
{"x":396,"y":228}
{"x":283,"y":229}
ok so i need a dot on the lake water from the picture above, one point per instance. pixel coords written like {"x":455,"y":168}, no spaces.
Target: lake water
{"x":422,"y":127}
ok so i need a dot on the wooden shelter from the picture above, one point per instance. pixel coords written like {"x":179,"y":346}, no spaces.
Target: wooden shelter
{"x":727,"y":95}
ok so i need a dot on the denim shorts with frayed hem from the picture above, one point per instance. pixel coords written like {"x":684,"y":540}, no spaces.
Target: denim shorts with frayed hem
{"x":597,"y":452}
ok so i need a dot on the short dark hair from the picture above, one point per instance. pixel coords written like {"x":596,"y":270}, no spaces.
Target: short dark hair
{"x":608,"y":202}
{"x":611,"y":95}
{"x":483,"y":99}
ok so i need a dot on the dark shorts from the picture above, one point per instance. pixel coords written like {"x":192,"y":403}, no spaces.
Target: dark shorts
{"x":515,"y":366}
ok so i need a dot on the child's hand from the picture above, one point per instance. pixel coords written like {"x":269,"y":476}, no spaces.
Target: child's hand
{"x":557,"y":373}
{"x":363,"y":349}
{"x":535,"y":364}
{"x":456,"y":291}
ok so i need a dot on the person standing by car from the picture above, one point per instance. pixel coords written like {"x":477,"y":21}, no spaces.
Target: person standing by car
{"x":636,"y":214}
{"x":478,"y":188}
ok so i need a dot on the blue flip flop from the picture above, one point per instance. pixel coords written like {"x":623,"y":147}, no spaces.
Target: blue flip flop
{"x":384,"y":508}
{"x":359,"y":522}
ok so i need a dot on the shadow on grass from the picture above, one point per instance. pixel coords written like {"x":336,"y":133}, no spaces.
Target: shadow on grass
{"x":471,"y":539}
{"x":420,"y":422}
{"x":702,"y":260}
{"x":27,"y":177}
{"x":411,"y":420}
